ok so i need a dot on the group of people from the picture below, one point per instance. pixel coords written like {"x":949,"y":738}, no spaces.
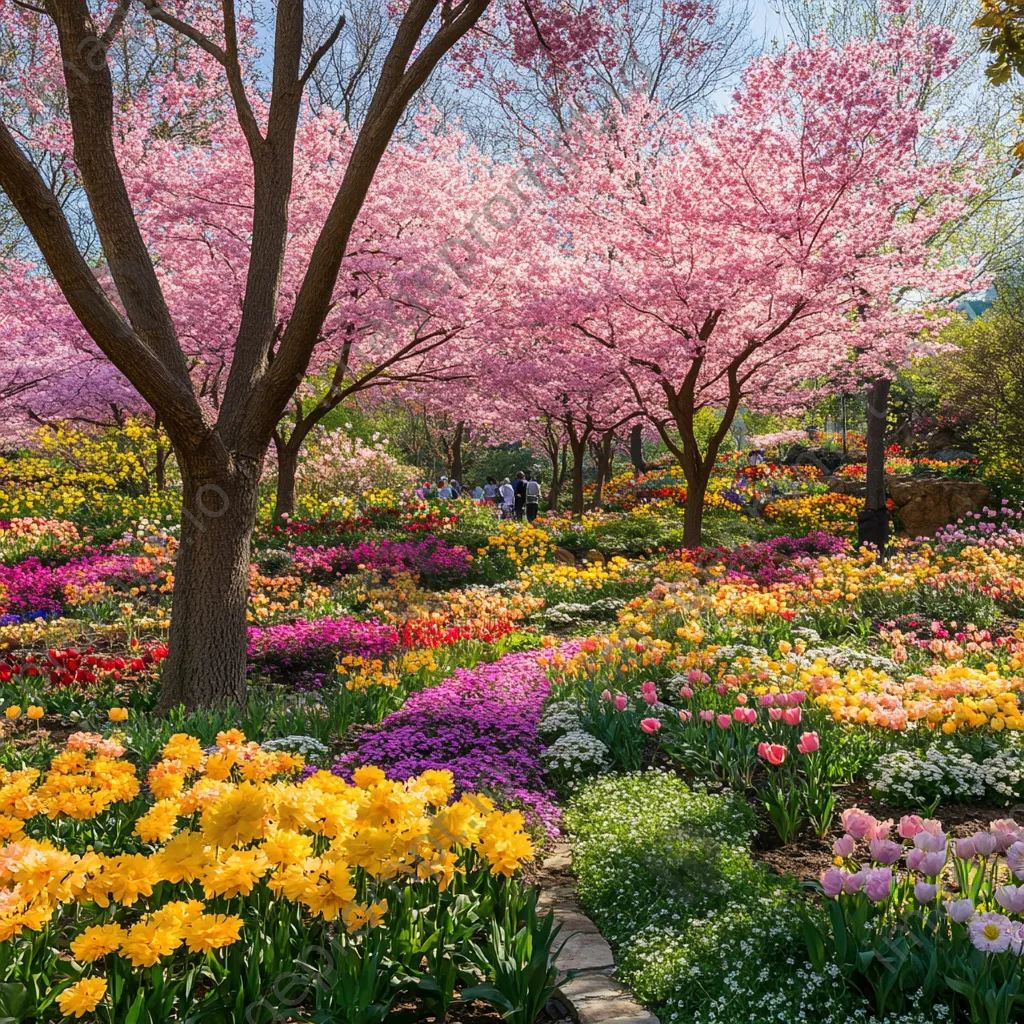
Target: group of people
{"x":516,"y":499}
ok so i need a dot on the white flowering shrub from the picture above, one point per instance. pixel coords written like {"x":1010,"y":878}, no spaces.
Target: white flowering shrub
{"x":702,"y":933}
{"x":576,"y":754}
{"x":308,"y":746}
{"x":927,"y":779}
{"x":340,"y":464}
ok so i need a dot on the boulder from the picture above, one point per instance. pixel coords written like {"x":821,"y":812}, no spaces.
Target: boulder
{"x":925,"y":506}
{"x":827,"y":460}
{"x":951,"y":455}
{"x":564,"y":556}
{"x":846,"y":485}
{"x":594,"y":557}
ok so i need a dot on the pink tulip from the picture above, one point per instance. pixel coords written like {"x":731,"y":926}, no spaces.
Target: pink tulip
{"x":857,"y":822}
{"x":878,"y":884}
{"x":685,"y":716}
{"x":844,"y":846}
{"x":964,"y":849}
{"x":885,"y":851}
{"x":606,"y":695}
{"x":832,"y":881}
{"x":808,"y":743}
{"x":649,"y":692}
{"x":685,"y":691}
{"x":766,"y":700}
{"x":722,"y":689}
{"x":910,"y":825}
{"x":650,"y":725}
{"x":791,"y":716}
{"x":984,"y":843}
{"x":1015,"y":859}
{"x":748,"y":716}
{"x":924,"y":892}
{"x":723,"y":721}
{"x":1011,"y":898}
{"x":931,"y":864}
{"x":880,"y":829}
{"x":853,"y":883}
{"x":930,"y":842}
{"x":775,"y":714}
{"x":620,"y":702}
{"x":773,"y":753}
{"x":960,"y":911}
{"x":741,"y":698}
{"x":707,"y":716}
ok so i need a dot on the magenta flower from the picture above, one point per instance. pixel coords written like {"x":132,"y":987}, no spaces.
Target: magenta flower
{"x":832,"y":881}
{"x":857,"y":822}
{"x":885,"y":851}
{"x":924,"y":892}
{"x":650,"y":725}
{"x":844,"y":846}
{"x":809,"y":743}
{"x":878,"y":884}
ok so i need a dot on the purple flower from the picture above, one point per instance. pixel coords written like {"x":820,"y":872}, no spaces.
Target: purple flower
{"x":306,"y":646}
{"x":480,"y":724}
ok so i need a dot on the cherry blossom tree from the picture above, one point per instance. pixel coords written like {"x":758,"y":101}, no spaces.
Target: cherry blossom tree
{"x":746,"y":258}
{"x":220,"y":452}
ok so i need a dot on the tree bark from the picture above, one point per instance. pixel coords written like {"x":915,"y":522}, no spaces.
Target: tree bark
{"x":579,"y":454}
{"x":693,"y":515}
{"x":208,"y":641}
{"x":873,"y":520}
{"x":636,"y":449}
{"x":603,"y":454}
{"x":455,"y":452}
{"x":287,"y":468}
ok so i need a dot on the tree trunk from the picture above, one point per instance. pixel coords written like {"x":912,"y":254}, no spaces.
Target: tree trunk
{"x":636,"y":449}
{"x":455,"y":455}
{"x":579,"y":454}
{"x":287,"y":468}
{"x":603,"y":454}
{"x":556,"y":454}
{"x":693,"y":514}
{"x":208,"y":641}
{"x":160,"y":469}
{"x":873,"y":520}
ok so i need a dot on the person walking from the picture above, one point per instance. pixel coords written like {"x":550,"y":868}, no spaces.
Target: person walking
{"x":519,"y":496}
{"x":491,"y":491}
{"x":508,"y":498}
{"x":532,"y":498}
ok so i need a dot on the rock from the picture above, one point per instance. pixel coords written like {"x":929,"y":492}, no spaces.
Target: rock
{"x":952,"y":455}
{"x":827,"y":461}
{"x":846,"y":485}
{"x":564,"y":556}
{"x":594,"y":557}
{"x":939,"y":438}
{"x":925,"y":506}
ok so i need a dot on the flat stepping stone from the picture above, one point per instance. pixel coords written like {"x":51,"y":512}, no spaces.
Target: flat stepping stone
{"x":592,"y":995}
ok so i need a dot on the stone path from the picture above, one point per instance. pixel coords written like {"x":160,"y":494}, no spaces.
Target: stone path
{"x":592,"y":995}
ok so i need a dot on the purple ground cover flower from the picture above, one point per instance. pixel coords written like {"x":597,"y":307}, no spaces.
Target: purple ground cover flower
{"x":431,"y":559}
{"x":305,"y":646}
{"x":32,"y":586}
{"x":480,"y":724}
{"x":773,"y":560}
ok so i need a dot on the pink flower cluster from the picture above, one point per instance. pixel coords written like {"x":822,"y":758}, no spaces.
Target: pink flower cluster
{"x":926,"y":851}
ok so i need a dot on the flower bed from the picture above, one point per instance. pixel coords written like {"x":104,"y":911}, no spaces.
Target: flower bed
{"x":481,"y":725}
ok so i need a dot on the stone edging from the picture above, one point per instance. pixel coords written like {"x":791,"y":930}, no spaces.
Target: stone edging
{"x":591,"y":995}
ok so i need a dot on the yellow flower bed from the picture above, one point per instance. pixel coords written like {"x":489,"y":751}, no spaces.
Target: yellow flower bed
{"x":225,"y":836}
